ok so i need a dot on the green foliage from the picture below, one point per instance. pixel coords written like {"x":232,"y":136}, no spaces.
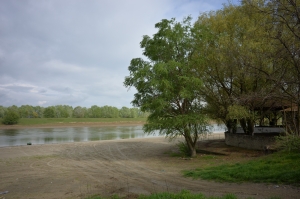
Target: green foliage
{"x":237,"y":112}
{"x":289,"y":143}
{"x":11,"y":117}
{"x":49,"y":112}
{"x":168,"y":86}
{"x":183,"y":149}
{"x":80,"y":112}
{"x":50,"y":121}
{"x":281,"y":168}
{"x":184,"y":194}
{"x":94,"y":111}
{"x":236,"y":63}
{"x":65,"y":111}
{"x":109,"y":112}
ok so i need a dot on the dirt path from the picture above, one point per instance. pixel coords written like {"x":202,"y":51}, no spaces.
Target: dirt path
{"x":125,"y":167}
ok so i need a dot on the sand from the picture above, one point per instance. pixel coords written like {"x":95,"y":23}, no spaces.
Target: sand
{"x":125,"y":167}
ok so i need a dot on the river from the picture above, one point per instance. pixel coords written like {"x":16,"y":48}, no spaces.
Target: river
{"x":16,"y":137}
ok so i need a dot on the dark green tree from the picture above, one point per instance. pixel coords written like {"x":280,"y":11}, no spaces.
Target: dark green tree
{"x":109,"y":112}
{"x":49,"y":112}
{"x":79,"y":112}
{"x":94,"y":111}
{"x":11,"y":117}
{"x":167,"y":83}
{"x":125,"y":112}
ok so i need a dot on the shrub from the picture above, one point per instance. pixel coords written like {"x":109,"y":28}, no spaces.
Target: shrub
{"x":183,"y":149}
{"x":11,"y":117}
{"x":288,"y":143}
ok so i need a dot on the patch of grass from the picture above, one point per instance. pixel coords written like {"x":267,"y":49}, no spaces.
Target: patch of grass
{"x":45,"y":121}
{"x":282,"y":168}
{"x":99,"y":197}
{"x":182,"y":195}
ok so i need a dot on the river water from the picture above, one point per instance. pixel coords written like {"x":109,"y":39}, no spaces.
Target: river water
{"x":16,"y":137}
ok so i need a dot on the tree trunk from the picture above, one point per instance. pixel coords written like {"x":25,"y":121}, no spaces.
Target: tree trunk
{"x":244,"y":125}
{"x":250,"y":126}
{"x":298,"y":121}
{"x":193,"y":152}
{"x":191,"y":146}
{"x":231,"y":125}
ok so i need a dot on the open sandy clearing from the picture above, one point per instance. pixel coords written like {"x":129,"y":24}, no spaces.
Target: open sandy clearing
{"x":125,"y":167}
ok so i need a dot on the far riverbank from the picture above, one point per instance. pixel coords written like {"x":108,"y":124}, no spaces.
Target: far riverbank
{"x":26,"y":123}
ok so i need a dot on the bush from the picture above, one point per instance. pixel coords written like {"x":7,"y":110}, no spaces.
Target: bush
{"x":183,"y":149}
{"x":288,"y":143}
{"x":10,"y":118}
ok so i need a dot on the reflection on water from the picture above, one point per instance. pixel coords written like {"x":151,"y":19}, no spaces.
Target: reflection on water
{"x":15,"y":137}
{"x":217,"y":128}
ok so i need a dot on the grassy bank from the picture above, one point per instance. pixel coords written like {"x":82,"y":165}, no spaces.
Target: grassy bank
{"x":55,"y":121}
{"x":282,"y":168}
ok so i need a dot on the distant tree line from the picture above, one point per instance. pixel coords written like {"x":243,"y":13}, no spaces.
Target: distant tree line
{"x":66,"y":111}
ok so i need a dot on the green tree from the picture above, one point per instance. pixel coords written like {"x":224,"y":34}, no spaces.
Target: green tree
{"x":11,"y":117}
{"x":284,"y":31}
{"x":237,"y":63}
{"x":134,"y":112}
{"x":14,"y":108}
{"x":79,"y":112}
{"x":109,"y":112}
{"x":125,"y":112}
{"x":26,"y":111}
{"x":49,"y":112}
{"x":63,"y":111}
{"x":38,"y":111}
{"x":94,"y":112}
{"x":167,"y":83}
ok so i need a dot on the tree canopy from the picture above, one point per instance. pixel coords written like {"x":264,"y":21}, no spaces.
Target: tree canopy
{"x":240,"y":62}
{"x":168,"y":86}
{"x":66,"y":111}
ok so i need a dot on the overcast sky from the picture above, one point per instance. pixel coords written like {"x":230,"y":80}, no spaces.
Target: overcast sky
{"x":76,"y":52}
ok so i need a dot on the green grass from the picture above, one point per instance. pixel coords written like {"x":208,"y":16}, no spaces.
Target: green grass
{"x":182,"y":195}
{"x":282,"y":168}
{"x":49,"y":121}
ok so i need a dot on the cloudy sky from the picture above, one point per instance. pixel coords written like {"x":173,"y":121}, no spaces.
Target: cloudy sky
{"x":76,"y":52}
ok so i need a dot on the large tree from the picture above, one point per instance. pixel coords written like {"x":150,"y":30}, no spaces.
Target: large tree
{"x":236,"y":51}
{"x":168,"y":86}
{"x":283,"y":28}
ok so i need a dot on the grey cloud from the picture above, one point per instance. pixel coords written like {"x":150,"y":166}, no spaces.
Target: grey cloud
{"x":61,"y":89}
{"x":77,"y":52}
{"x":16,"y":88}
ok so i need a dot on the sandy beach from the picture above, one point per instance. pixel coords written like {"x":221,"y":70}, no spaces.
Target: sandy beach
{"x":126,"y":167}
